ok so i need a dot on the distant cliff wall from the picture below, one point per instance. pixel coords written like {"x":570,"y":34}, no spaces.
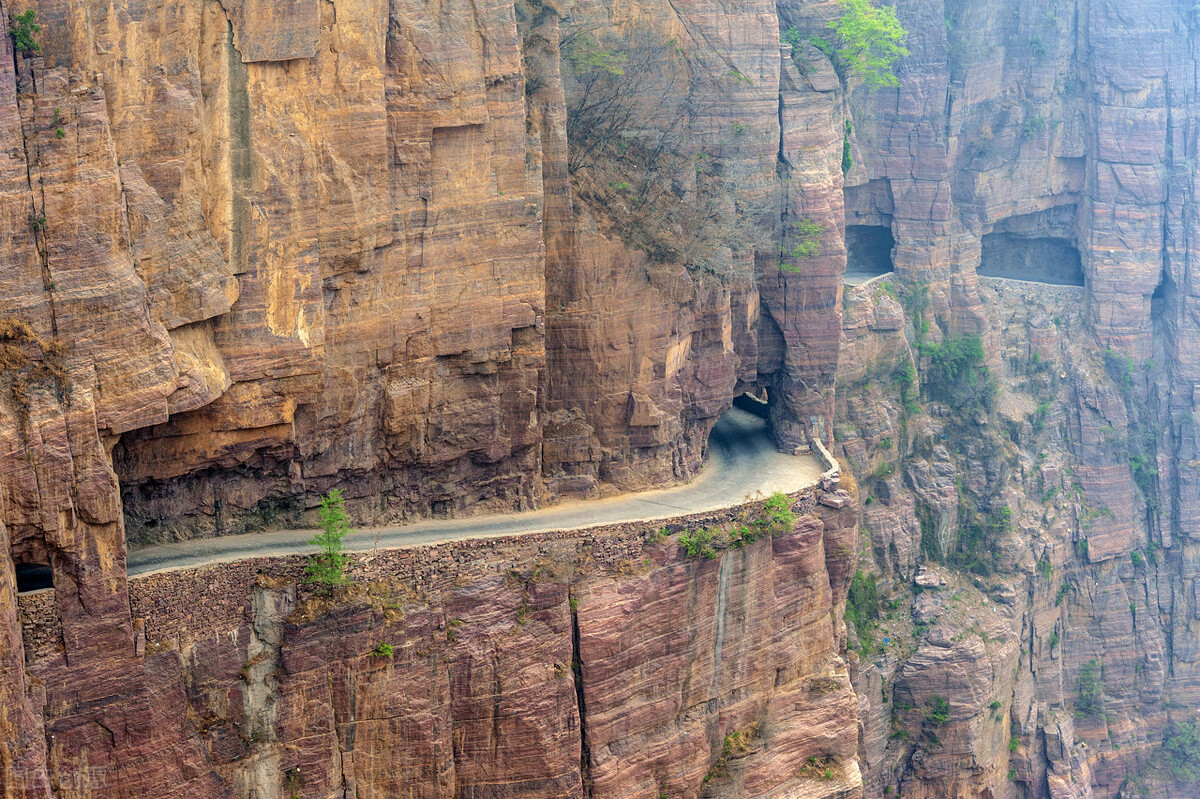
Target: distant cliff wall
{"x":1054,"y":523}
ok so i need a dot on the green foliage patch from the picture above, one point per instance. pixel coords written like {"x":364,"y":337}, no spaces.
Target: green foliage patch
{"x":866,"y":41}
{"x":957,"y":374}
{"x":847,"y":158}
{"x":328,"y":567}
{"x":778,"y":516}
{"x":699,"y":543}
{"x":937,"y":710}
{"x":863,"y":610}
{"x":1182,"y":745}
{"x":870,"y":41}
{"x":24,"y":27}
{"x":1089,"y":700}
{"x":807,"y":237}
{"x":974,"y":548}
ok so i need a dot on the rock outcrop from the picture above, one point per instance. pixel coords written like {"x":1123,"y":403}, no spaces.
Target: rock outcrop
{"x":256,"y":251}
{"x":602,"y":663}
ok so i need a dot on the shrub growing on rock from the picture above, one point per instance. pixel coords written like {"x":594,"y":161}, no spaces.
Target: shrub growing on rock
{"x":23,"y":29}
{"x":1183,"y":751}
{"x":699,"y":543}
{"x":869,"y":42}
{"x":1090,"y":700}
{"x":778,"y":516}
{"x":937,"y":710}
{"x":863,"y":610}
{"x":957,"y":374}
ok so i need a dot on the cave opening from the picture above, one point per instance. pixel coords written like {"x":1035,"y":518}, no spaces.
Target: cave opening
{"x":1164,"y":291}
{"x":749,"y":402}
{"x":868,"y":251}
{"x":33,"y":577}
{"x":1040,"y":260}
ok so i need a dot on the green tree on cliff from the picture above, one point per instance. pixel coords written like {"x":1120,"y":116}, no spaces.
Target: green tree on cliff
{"x":1090,"y":699}
{"x":869,"y":42}
{"x":328,"y":567}
{"x":1183,"y":751}
{"x":24,"y":26}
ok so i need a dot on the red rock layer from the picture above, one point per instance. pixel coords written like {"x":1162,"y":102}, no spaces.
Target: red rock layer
{"x":552,"y":665}
{"x":253,"y":253}
{"x":1073,"y":125}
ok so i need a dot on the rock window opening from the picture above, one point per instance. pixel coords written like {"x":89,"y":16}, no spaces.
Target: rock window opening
{"x":868,"y":251}
{"x":1040,"y":260}
{"x":752,"y":404}
{"x":33,"y":577}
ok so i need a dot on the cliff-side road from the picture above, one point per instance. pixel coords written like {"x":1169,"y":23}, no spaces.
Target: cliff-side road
{"x":742,"y":462}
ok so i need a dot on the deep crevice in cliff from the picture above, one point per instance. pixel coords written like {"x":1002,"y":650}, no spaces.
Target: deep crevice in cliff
{"x":240,"y":151}
{"x":585,"y":753}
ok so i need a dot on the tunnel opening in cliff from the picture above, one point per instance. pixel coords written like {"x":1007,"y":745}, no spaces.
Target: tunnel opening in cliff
{"x":33,"y":577}
{"x":1164,"y":293}
{"x":750,"y":403}
{"x":1041,"y":260}
{"x":868,"y":250}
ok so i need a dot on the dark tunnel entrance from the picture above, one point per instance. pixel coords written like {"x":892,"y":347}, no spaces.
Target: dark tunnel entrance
{"x":1041,"y":260}
{"x":752,"y":404}
{"x":33,"y":577}
{"x":1163,"y":292}
{"x":868,"y":251}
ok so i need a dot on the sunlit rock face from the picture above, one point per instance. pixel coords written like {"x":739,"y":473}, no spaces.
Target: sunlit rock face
{"x":419,"y":283}
{"x":256,"y":251}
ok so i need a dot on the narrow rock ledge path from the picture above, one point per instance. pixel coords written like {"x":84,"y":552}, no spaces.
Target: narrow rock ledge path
{"x":742,"y":464}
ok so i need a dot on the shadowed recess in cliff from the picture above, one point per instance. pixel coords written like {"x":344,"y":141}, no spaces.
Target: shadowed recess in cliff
{"x":1043,"y":260}
{"x":868,"y":251}
{"x":33,"y":577}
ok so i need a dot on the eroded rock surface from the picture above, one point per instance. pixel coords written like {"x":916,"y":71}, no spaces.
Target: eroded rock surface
{"x":254,"y":251}
{"x":604,"y":663}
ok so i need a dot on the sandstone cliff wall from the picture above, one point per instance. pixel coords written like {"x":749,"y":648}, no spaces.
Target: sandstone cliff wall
{"x":256,"y":252}
{"x":1016,"y":125}
{"x":564,"y":664}
{"x":345,"y":248}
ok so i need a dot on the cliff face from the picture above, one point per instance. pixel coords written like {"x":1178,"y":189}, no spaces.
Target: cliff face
{"x":1051,"y":145}
{"x":253,"y":253}
{"x":459,"y":258}
{"x":556,"y":665}
{"x":344,"y":247}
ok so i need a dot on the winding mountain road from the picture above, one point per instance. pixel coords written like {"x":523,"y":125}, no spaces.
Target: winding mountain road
{"x":742,"y":463}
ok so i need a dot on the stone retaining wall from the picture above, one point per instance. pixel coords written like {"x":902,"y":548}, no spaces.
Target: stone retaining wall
{"x":41,"y":628}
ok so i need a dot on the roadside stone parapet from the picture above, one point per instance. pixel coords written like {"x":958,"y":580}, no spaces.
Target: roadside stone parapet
{"x":833,"y":471}
{"x":41,"y":628}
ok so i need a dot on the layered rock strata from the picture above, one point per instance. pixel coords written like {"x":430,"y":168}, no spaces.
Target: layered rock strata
{"x":1051,"y":138}
{"x":255,"y":253}
{"x":566,"y":664}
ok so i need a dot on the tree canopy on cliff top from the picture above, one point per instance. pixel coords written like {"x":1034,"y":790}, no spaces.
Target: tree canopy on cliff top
{"x":869,"y":42}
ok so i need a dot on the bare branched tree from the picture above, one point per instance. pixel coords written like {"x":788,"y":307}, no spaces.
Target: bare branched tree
{"x":640,"y":117}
